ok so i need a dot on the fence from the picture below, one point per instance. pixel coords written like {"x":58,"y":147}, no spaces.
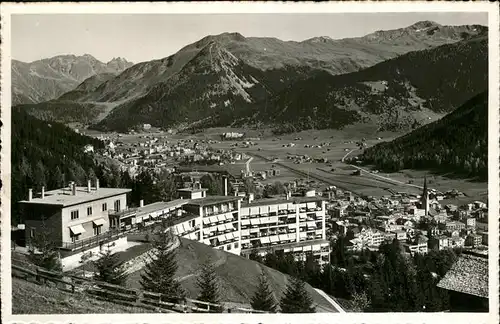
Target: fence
{"x":118,"y":294}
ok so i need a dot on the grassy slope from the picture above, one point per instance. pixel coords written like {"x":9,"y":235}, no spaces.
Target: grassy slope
{"x":30,"y":298}
{"x":238,"y":275}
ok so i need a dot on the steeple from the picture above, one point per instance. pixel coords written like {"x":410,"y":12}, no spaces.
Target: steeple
{"x":425,"y":197}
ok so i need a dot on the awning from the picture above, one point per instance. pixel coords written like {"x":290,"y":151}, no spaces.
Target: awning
{"x":254,"y":210}
{"x":325,"y":244}
{"x":264,"y":240}
{"x":254,"y":230}
{"x":99,"y":222}
{"x":206,"y":221}
{"x":307,"y":248}
{"x":287,"y":250}
{"x":245,"y":211}
{"x":316,"y":247}
{"x":228,"y":226}
{"x":297,"y":249}
{"x":319,"y":232}
{"x":282,"y":206}
{"x":283,"y":237}
{"x":255,"y":221}
{"x":229,"y":216}
{"x":274,"y":239}
{"x":292,"y":236}
{"x":302,"y":216}
{"x":302,"y":235}
{"x":273,"y":208}
{"x":292,"y":225}
{"x":221,"y":228}
{"x":273,"y":219}
{"x":230,"y":235}
{"x":245,"y":222}
{"x":221,"y":218}
{"x":291,"y":216}
{"x":245,"y":232}
{"x":212,"y":219}
{"x":311,"y":224}
{"x":311,"y":205}
{"x":77,"y":229}
{"x":206,"y":231}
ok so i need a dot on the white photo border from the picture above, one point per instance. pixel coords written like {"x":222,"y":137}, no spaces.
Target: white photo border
{"x":8,"y":9}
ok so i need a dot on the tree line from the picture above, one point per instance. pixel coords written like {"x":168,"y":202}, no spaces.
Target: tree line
{"x":458,"y":142}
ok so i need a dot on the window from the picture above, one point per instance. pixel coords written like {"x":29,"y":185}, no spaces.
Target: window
{"x":74,"y":214}
{"x":229,"y":247}
{"x":117,"y":205}
{"x":192,"y":223}
{"x":97,"y":230}
{"x":89,"y":211}
{"x":74,"y":237}
{"x":104,"y":206}
{"x":236,"y":245}
{"x":32,"y":232}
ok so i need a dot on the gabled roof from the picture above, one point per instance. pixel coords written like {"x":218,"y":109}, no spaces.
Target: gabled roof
{"x":469,"y":275}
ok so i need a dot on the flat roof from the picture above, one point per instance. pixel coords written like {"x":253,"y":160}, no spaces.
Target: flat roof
{"x":192,"y":190}
{"x":290,"y":245}
{"x":275,"y":201}
{"x":211,"y":200}
{"x":161,"y":205}
{"x":62,"y":197}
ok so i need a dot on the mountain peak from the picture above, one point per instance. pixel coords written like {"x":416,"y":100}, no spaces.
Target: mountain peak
{"x":424,"y":24}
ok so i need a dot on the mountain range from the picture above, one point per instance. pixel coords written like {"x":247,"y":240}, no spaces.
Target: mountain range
{"x":230,"y":79}
{"x":47,"y":79}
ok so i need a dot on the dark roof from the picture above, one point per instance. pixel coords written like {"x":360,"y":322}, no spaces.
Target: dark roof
{"x":469,"y":275}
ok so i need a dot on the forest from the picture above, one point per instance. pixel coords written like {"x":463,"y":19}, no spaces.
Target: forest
{"x":456,"y":143}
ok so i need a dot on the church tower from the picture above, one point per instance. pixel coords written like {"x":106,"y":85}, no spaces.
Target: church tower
{"x":425,"y":197}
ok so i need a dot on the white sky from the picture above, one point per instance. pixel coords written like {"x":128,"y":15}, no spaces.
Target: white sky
{"x":143,"y":37}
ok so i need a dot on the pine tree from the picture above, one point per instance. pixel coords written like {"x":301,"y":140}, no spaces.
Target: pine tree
{"x":263,"y":299}
{"x":208,"y":283}
{"x":44,"y":251}
{"x":296,"y":299}
{"x":160,"y":271}
{"x":110,"y":269}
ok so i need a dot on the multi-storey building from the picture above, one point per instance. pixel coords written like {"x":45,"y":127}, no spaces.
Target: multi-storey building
{"x":294,"y":225}
{"x":76,"y":218}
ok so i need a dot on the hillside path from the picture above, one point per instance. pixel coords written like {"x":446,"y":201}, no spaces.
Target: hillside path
{"x":330,"y":300}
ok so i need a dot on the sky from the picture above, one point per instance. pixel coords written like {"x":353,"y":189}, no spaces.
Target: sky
{"x":143,"y":37}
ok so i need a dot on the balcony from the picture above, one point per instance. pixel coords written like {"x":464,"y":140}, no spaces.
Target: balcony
{"x":92,"y":241}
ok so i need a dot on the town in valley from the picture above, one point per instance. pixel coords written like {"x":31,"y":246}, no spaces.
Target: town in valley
{"x":254,"y":175}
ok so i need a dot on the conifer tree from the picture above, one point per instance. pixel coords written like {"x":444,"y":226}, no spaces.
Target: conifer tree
{"x":43,"y":251}
{"x":296,"y":299}
{"x":159,"y":272}
{"x":208,"y":283}
{"x":110,"y":269}
{"x":263,"y":299}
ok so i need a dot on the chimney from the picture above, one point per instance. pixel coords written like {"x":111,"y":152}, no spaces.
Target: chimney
{"x":30,"y":194}
{"x":97,"y":184}
{"x":89,"y":188}
{"x":73,"y":189}
{"x":43,"y":192}
{"x":141,"y":203}
{"x":225,"y":186}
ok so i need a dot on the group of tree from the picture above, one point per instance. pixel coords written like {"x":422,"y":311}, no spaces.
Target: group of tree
{"x":295,"y":298}
{"x":383,"y":280}
{"x":457,"y":142}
